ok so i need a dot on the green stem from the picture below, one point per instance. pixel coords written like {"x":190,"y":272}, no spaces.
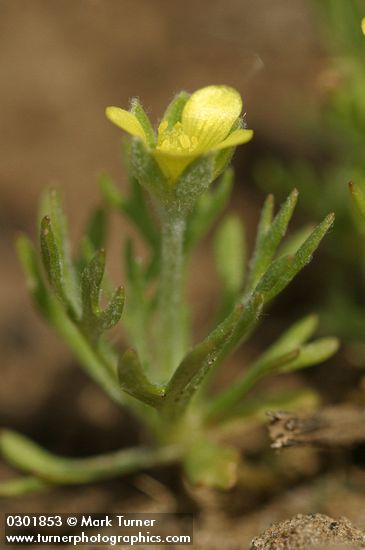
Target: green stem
{"x":171,"y":313}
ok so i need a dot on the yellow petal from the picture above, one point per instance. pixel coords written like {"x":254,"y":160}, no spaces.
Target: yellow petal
{"x":210,"y":113}
{"x":363,"y":25}
{"x":237,"y":137}
{"x":172,"y":164}
{"x":127,"y":121}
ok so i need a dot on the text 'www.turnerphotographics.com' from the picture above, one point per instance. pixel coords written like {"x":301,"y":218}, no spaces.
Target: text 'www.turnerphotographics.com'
{"x":109,"y":529}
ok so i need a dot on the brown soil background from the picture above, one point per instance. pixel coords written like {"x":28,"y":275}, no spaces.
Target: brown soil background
{"x":61,"y":63}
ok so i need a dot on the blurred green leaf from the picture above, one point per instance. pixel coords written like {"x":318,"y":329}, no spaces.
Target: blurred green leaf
{"x":224,"y":403}
{"x":29,"y":457}
{"x":230,"y":254}
{"x":257,"y":407}
{"x":139,"y":305}
{"x":342,"y":24}
{"x":134,"y":268}
{"x":293,"y":338}
{"x":21,"y":486}
{"x":358,"y":198}
{"x":266,"y":217}
{"x":94,"y":236}
{"x":134,"y":207}
{"x":212,"y":465}
{"x":110,"y":192}
{"x":295,"y":240}
{"x":138,"y":211}
{"x":286,"y":355}
{"x":28,"y":259}
{"x":207,"y":209}
{"x":312,"y":354}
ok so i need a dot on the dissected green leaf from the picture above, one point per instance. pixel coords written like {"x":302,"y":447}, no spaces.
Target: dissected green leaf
{"x":101,"y":371}
{"x":275,"y":277}
{"x":52,"y":259}
{"x":207,"y":355}
{"x":269,"y":238}
{"x":134,"y":381}
{"x":51,"y":206}
{"x":94,"y":319}
{"x":56,"y":235}
{"x":91,"y":280}
{"x":250,"y":315}
{"x":194,"y":367}
{"x":111,"y":315}
{"x":283,"y":270}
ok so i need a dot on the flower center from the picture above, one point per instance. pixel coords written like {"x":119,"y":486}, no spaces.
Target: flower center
{"x":175,"y":140}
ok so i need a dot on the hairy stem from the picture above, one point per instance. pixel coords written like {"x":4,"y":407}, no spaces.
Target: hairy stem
{"x":171,"y":312}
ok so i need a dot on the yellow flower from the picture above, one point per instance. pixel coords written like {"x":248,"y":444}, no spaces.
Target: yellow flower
{"x":363,"y":25}
{"x":209,"y":123}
